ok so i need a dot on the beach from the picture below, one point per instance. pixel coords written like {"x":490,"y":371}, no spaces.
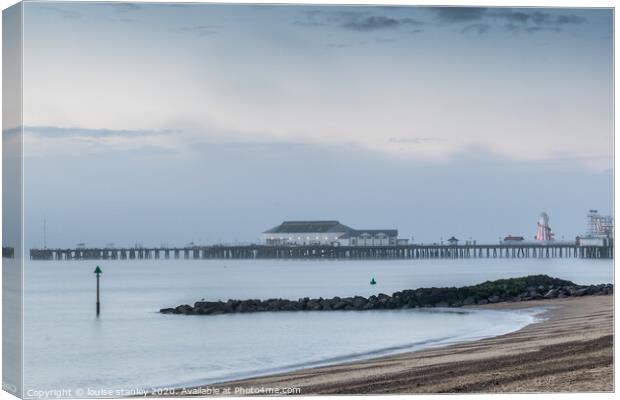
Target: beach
{"x":571,"y":350}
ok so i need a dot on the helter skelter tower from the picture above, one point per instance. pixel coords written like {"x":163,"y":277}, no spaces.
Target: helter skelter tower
{"x":543,"y":231}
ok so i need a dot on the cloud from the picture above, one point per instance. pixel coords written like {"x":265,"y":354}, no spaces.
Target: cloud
{"x":478,"y":28}
{"x":459,"y":14}
{"x":414,"y":140}
{"x":61,"y":12}
{"x":537,"y":18}
{"x":339,"y":45}
{"x":512,"y":20}
{"x":64,"y":132}
{"x":377,"y":40}
{"x":114,"y":20}
{"x":320,"y":17}
{"x":354,"y":20}
{"x":542,"y":28}
{"x":383,"y":40}
{"x":373,"y":23}
{"x":42,"y":141}
{"x":511,"y":16}
{"x":570,"y":19}
{"x":200,"y":30}
{"x":71,"y":14}
{"x":126,"y":6}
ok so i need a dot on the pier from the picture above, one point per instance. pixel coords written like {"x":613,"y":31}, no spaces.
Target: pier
{"x":409,"y":251}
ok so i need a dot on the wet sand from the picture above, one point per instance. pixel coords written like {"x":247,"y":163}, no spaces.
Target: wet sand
{"x":571,"y":351}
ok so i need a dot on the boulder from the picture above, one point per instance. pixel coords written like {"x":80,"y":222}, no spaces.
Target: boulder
{"x":359,"y":302}
{"x":325,"y":305}
{"x":512,"y":299}
{"x":551,"y":294}
{"x":246,"y":306}
{"x":581,"y":292}
{"x":383,"y":298}
{"x":469,"y":301}
{"x":313,"y":305}
{"x":207,"y":304}
{"x":183,"y":309}
{"x":456,"y":303}
{"x":339,"y":305}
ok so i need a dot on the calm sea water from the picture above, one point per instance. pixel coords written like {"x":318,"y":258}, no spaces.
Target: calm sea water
{"x":133,"y":346}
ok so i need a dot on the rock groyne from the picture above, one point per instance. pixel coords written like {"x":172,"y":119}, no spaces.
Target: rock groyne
{"x":533,"y":287}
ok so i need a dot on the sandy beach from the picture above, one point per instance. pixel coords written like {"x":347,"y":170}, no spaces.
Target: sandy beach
{"x":571,"y":351}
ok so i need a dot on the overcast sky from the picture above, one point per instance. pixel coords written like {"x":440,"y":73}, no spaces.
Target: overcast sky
{"x":170,"y":123}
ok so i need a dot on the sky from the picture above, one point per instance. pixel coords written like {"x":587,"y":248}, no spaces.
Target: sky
{"x":177,"y":123}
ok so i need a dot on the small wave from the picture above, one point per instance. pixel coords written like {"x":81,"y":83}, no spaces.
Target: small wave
{"x":516,"y":319}
{"x":323,"y":362}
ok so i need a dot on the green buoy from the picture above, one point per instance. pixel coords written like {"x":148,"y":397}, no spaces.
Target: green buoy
{"x":373,"y":281}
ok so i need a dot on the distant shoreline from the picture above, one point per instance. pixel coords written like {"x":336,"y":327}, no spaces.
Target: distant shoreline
{"x":572,"y":350}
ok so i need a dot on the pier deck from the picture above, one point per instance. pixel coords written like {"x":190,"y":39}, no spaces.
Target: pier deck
{"x":411,"y":251}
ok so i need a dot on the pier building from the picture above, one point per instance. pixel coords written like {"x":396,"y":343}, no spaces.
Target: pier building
{"x":331,"y":233}
{"x":369,"y":237}
{"x":600,"y":225}
{"x":305,"y":233}
{"x":513,"y":239}
{"x":600,"y":230}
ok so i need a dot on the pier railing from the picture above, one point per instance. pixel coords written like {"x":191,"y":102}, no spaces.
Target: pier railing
{"x":256,"y":251}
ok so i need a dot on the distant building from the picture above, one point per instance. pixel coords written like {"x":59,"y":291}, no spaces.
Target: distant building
{"x":305,"y":232}
{"x":600,"y":231}
{"x":513,"y":239}
{"x":599,"y":225}
{"x":327,"y":233}
{"x":370,"y":237}
{"x":453,"y":241}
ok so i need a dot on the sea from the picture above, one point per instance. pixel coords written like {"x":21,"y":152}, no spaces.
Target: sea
{"x":131,"y":347}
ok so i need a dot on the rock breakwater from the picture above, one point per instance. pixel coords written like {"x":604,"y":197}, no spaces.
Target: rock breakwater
{"x":533,"y":287}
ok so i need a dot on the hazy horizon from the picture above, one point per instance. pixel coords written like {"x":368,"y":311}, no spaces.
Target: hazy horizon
{"x":176,"y":123}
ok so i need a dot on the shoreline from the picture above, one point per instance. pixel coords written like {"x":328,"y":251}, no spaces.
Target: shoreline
{"x":571,"y":350}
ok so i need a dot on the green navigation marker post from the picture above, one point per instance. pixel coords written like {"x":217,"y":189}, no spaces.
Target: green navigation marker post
{"x":98,"y":272}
